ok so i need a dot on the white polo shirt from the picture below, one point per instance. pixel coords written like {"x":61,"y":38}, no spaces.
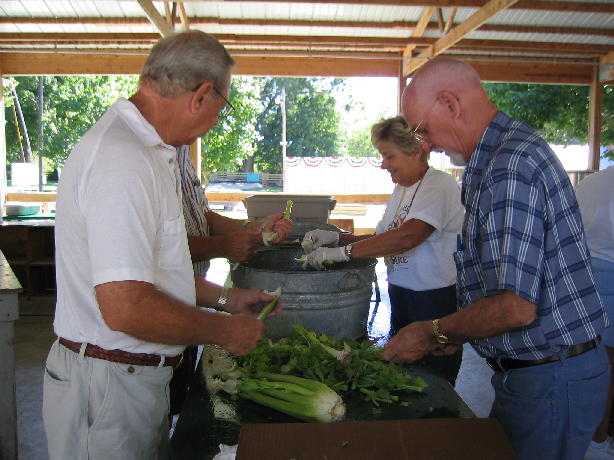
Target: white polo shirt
{"x":437,"y":202}
{"x":119,"y":217}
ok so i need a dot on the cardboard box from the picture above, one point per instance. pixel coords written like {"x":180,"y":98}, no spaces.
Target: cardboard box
{"x":425,"y":439}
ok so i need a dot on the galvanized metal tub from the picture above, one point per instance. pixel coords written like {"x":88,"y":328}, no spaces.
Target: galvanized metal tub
{"x":334,"y":302}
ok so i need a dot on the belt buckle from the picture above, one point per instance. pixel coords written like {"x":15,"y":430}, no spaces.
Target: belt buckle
{"x":495,"y":364}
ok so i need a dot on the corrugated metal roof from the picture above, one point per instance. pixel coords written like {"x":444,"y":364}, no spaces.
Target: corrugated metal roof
{"x":274,"y":26}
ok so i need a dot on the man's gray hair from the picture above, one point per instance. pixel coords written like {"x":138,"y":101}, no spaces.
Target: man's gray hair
{"x":397,"y":131}
{"x":183,"y":61}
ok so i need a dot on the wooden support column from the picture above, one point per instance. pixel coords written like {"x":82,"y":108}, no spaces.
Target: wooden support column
{"x":594,"y":120}
{"x":9,"y":313}
{"x":196,"y":153}
{"x":2,"y":149}
{"x":402,"y":83}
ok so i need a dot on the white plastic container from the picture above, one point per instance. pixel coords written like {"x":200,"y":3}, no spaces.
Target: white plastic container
{"x":15,"y":208}
{"x":305,"y":208}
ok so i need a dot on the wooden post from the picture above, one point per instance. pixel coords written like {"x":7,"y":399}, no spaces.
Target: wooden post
{"x":9,"y":312}
{"x":196,"y":153}
{"x":402,"y":83}
{"x":2,"y":149}
{"x":594,"y":120}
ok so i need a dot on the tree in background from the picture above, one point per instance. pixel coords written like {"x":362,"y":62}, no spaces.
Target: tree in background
{"x":227,"y":146}
{"x":72,"y":105}
{"x":559,"y":112}
{"x":356,"y":133}
{"x":358,"y":143}
{"x":312,"y":120}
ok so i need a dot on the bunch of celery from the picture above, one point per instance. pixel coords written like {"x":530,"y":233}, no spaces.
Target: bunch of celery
{"x":305,"y":399}
{"x":343,"y":365}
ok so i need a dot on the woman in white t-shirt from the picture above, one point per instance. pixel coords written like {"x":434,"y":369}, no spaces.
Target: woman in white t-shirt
{"x":417,"y":236}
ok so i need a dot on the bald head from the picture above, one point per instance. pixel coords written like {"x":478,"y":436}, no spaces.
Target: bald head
{"x":441,"y":74}
{"x":445,"y":97}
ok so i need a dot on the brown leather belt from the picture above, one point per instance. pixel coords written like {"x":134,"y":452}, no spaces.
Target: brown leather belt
{"x":120,"y":356}
{"x":506,"y":364}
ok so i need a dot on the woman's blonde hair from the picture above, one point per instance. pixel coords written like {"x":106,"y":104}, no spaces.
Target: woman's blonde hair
{"x":397,"y":131}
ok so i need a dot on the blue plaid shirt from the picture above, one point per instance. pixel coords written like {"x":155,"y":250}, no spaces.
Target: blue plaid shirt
{"x":523,"y":232}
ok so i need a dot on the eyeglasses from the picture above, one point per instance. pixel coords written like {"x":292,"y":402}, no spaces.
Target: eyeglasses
{"x":228,"y":108}
{"x":420,"y":132}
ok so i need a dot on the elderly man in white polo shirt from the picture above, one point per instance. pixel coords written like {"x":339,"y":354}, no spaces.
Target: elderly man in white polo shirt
{"x":126,"y":291}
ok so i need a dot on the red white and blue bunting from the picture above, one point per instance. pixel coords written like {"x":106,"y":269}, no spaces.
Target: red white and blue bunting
{"x":335,"y":162}
{"x":357,"y":162}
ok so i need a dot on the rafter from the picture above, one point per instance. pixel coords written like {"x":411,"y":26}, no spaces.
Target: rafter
{"x":388,"y":25}
{"x":457,"y":33}
{"x":423,"y":22}
{"x":440,"y":21}
{"x":543,"y":5}
{"x":185,"y":22}
{"x":309,"y":42}
{"x":450,"y":20}
{"x":156,"y":18}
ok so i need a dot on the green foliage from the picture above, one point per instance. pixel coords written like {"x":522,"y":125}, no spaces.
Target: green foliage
{"x":72,"y":105}
{"x":312,"y":121}
{"x":343,"y":365}
{"x":559,"y":112}
{"x":357,"y":143}
{"x":232,"y":141}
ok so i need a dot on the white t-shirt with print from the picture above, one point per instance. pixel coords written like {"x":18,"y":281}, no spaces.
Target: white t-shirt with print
{"x":119,"y":217}
{"x":436,"y":201}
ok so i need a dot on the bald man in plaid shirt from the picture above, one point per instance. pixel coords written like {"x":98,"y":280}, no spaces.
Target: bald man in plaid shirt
{"x":527,"y":297}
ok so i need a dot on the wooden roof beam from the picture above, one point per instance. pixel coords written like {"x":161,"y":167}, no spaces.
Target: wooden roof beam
{"x":542,"y":5}
{"x":457,"y":33}
{"x":450,"y":20}
{"x":145,"y":39}
{"x":66,"y":64}
{"x":396,"y":25}
{"x":185,"y":21}
{"x":156,"y":18}
{"x":423,"y":22}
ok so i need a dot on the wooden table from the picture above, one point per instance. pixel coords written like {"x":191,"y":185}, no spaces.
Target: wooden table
{"x":9,"y":312}
{"x":204,"y":423}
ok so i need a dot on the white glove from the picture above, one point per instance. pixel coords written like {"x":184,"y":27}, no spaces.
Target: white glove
{"x":322,"y":257}
{"x":318,"y":237}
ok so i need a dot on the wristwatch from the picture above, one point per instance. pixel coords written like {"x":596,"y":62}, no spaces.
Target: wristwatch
{"x":438,"y":335}
{"x":348,"y":250}
{"x":223,"y":298}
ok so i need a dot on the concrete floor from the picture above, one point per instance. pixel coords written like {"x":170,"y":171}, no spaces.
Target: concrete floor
{"x":34,"y":335}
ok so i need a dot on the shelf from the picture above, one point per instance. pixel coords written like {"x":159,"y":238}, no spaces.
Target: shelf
{"x":13,"y":261}
{"x":44,"y":262}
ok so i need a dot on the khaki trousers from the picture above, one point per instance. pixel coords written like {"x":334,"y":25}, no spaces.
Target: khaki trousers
{"x":96,"y":409}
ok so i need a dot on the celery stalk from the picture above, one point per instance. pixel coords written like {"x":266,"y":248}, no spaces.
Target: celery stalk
{"x":305,"y":399}
{"x":267,"y":237}
{"x":268,"y":308}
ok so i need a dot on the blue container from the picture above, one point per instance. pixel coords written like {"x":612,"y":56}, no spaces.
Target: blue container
{"x":253,"y":177}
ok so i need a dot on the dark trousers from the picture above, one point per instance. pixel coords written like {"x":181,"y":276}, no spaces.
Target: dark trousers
{"x":408,"y":306}
{"x":181,"y":380}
